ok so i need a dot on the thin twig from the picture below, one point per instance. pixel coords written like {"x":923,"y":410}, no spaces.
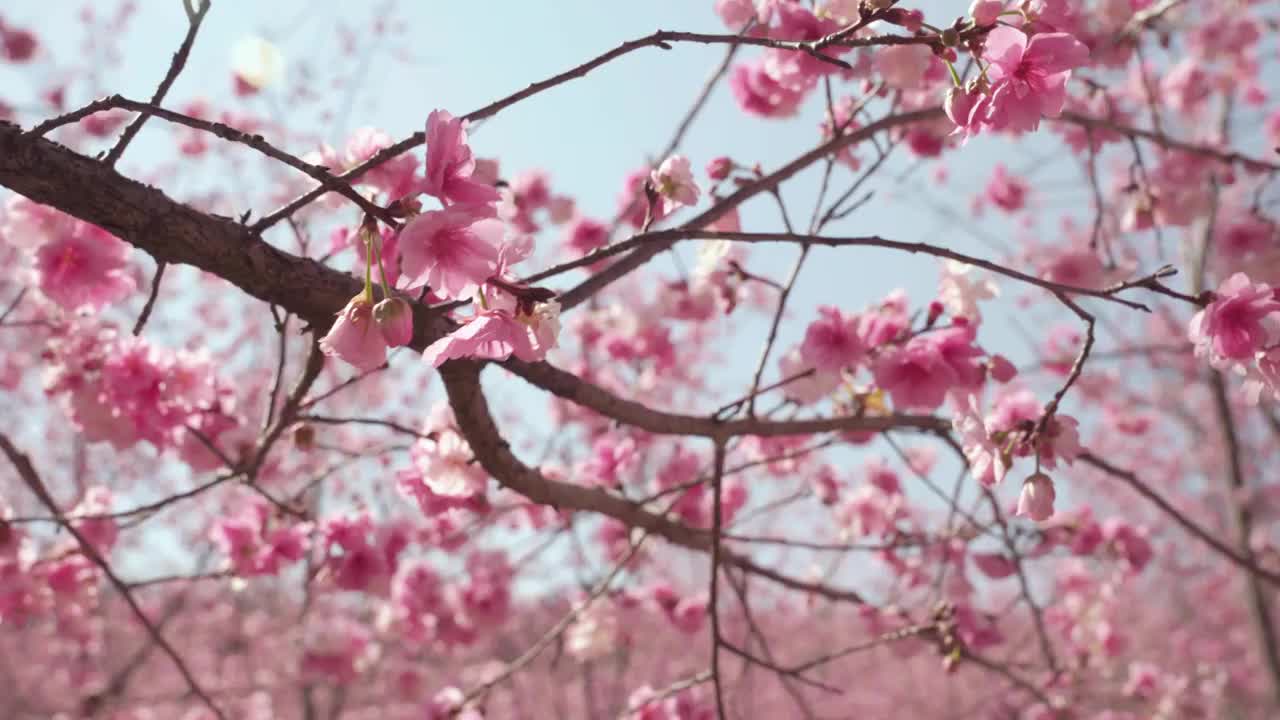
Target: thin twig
{"x":151,"y":298}
{"x":713,"y":609}
{"x":175,"y":67}
{"x":22,"y":464}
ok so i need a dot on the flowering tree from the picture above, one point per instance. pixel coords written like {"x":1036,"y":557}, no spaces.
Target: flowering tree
{"x":251,"y":469}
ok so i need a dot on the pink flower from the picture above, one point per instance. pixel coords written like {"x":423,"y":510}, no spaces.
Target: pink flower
{"x":903,"y":66}
{"x":1143,"y":680}
{"x":1237,"y":323}
{"x":759,"y":94}
{"x":84,"y":267}
{"x":1244,"y":236}
{"x":1028,"y":78}
{"x":985,"y":12}
{"x":1128,"y":542}
{"x":1006,"y":191}
{"x":831,"y":342}
{"x":395,"y":177}
{"x":1186,"y":87}
{"x":959,"y":107}
{"x":354,"y":337}
{"x":994,"y":565}
{"x":394,"y":319}
{"x":689,"y":615}
{"x":1077,"y":266}
{"x":16,"y":44}
{"x":675,"y":184}
{"x":987,"y":461}
{"x":1001,"y":369}
{"x":584,"y":234}
{"x":450,"y":166}
{"x":611,"y":457}
{"x":735,"y":13}
{"x":498,"y":334}
{"x":811,"y":388}
{"x":448,"y":705}
{"x":1036,"y":499}
{"x":955,"y":344}
{"x":252,"y":546}
{"x":451,"y":250}
{"x":447,"y":465}
{"x":633,"y":203}
{"x":962,"y":287}
{"x":916,"y":375}
{"x":104,"y":123}
{"x":89,"y":518}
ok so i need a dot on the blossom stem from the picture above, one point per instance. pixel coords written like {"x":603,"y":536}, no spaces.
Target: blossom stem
{"x":382,"y":270}
{"x":368,"y":264}
{"x":955,"y":76}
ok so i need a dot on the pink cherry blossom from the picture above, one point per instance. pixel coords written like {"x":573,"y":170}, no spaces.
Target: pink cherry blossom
{"x":962,"y":287}
{"x":959,"y":106}
{"x":452,"y":251}
{"x":448,"y":173}
{"x":832,"y":342}
{"x":355,"y":337}
{"x":759,"y":94}
{"x":498,"y":334}
{"x":1028,"y":78}
{"x":815,"y":386}
{"x":584,"y":234}
{"x":396,"y":177}
{"x":903,"y":66}
{"x":17,"y":45}
{"x":1006,"y":191}
{"x":916,"y":374}
{"x":1238,"y":322}
{"x":84,"y":266}
{"x":673,"y":180}
{"x":994,"y":565}
{"x":985,"y":12}
{"x":988,"y":459}
{"x":736,"y":13}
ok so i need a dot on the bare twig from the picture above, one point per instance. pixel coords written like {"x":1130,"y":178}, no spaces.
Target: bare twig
{"x":151,"y":298}
{"x":28,"y":473}
{"x":175,"y":67}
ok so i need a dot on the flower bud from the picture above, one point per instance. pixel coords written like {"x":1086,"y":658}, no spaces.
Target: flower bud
{"x":304,"y":436}
{"x":1002,"y":370}
{"x":17,"y":45}
{"x":959,"y":104}
{"x":719,"y":168}
{"x":394,"y":319}
{"x":1036,"y":499}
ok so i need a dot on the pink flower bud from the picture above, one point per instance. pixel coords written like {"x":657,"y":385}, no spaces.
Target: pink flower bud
{"x":1036,"y":500}
{"x":935,"y":311}
{"x":353,"y":336}
{"x":994,"y":565}
{"x":1002,"y":370}
{"x":394,"y":319}
{"x":17,"y":45}
{"x":959,"y":104}
{"x":719,"y":168}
